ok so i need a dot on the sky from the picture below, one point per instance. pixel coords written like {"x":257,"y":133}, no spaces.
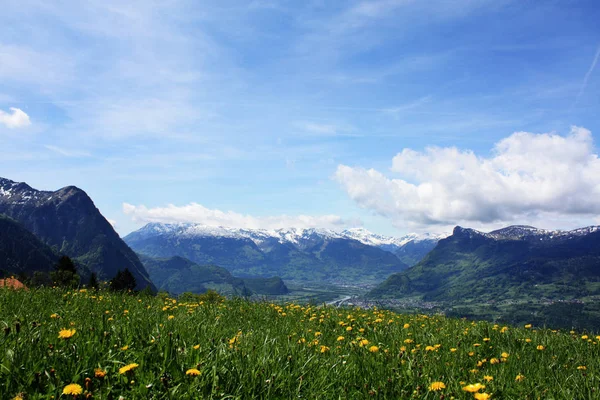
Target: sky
{"x":393,"y":115}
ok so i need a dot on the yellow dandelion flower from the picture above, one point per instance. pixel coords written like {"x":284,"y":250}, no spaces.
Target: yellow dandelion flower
{"x":324,"y":349}
{"x":519,"y":378}
{"x":363,"y":342}
{"x":66,"y":333}
{"x":406,"y":326}
{"x":481,"y":396}
{"x":125,"y":347}
{"x":196,"y":347}
{"x":436,"y":386}
{"x":473,"y":387}
{"x":408,"y":341}
{"x":18,"y":397}
{"x":73,"y":389}
{"x":528,"y":326}
{"x":340,"y":338}
{"x":99,"y":373}
{"x":55,"y":315}
{"x":192,"y":372}
{"x":318,"y":333}
{"x":582,"y":368}
{"x":348,"y":328}
{"x":540,"y":347}
{"x":373,"y":349}
{"x":584,"y":337}
{"x":488,"y":378}
{"x":452,"y":350}
{"x":128,"y":368}
{"x":171,"y":317}
{"x":504,"y":355}
{"x":494,"y":360}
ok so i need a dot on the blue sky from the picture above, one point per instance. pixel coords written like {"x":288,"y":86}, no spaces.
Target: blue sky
{"x":276,"y":113}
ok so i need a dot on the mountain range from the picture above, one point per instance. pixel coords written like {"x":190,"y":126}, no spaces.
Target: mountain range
{"x":69,"y":223}
{"x":351,"y":256}
{"x":514,"y":263}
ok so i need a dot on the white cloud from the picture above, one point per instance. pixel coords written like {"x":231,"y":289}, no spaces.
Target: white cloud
{"x":527,"y":177}
{"x":112,"y":222}
{"x":67,"y":152}
{"x":197,"y":213}
{"x":14,"y":119}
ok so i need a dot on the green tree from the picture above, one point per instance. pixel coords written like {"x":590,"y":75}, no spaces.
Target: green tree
{"x":65,"y":273}
{"x":93,"y":283}
{"x":124,"y":280}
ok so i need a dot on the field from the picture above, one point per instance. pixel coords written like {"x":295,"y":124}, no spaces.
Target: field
{"x":58,"y":344}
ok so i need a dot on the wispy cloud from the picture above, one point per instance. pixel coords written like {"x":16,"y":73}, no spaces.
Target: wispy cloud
{"x":67,"y":152}
{"x":16,"y":118}
{"x":587,"y":77}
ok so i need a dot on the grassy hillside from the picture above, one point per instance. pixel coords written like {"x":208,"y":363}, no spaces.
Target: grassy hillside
{"x":110,"y":345}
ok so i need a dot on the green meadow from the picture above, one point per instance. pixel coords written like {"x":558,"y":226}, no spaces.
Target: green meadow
{"x":60,"y":344}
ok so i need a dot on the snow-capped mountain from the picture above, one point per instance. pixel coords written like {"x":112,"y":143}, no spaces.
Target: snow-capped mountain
{"x":293,"y":254}
{"x":524,"y":232}
{"x":294,"y":236}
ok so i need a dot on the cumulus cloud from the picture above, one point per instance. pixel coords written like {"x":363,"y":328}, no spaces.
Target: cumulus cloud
{"x":197,"y":213}
{"x":526,"y":176}
{"x":16,"y":118}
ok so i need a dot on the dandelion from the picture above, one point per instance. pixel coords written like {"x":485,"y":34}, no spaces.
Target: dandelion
{"x":324,"y":349}
{"x":582,"y":368}
{"x":171,"y":317}
{"x":363,"y":342}
{"x":473,"y":387}
{"x":488,"y":378}
{"x":55,"y":315}
{"x":73,"y":389}
{"x":373,"y":349}
{"x":528,"y":326}
{"x":406,"y":326}
{"x":437,"y":386}
{"x":192,"y":372}
{"x":18,"y":397}
{"x":99,"y":373}
{"x":452,"y":350}
{"x":519,"y":378}
{"x":128,"y":368}
{"x":540,"y":347}
{"x":340,"y":338}
{"x":481,"y":396}
{"x":196,"y":347}
{"x":66,"y":333}
{"x":348,"y":328}
{"x":125,"y":347}
{"x":584,"y":337}
{"x":504,"y":355}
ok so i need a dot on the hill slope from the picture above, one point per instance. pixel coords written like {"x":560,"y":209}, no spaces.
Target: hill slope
{"x":513,"y":263}
{"x":293,"y":254}
{"x":21,"y":252}
{"x":177,"y":275}
{"x":68,"y":221}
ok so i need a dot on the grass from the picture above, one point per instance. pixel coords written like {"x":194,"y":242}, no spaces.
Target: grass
{"x":248,"y":350}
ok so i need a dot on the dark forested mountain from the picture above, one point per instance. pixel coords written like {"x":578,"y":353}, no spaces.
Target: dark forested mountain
{"x":292,"y":254}
{"x":514,"y":263}
{"x":177,"y":275}
{"x":21,"y":252}
{"x":68,"y":221}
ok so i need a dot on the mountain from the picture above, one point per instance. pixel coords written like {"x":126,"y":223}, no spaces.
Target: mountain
{"x":21,"y":252}
{"x":177,"y":275}
{"x":293,"y":254}
{"x":68,"y":221}
{"x":410,"y":248}
{"x":515,"y":263}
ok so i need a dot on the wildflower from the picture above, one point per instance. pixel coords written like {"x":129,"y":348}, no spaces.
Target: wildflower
{"x":363,"y":342}
{"x":196,"y":347}
{"x":73,"y":389}
{"x":99,"y":373}
{"x":324,"y":349}
{"x":436,"y":386}
{"x":488,"y":378}
{"x":18,"y":397}
{"x":494,"y":360}
{"x":504,"y":355}
{"x":582,"y":368}
{"x":66,"y":333}
{"x":481,"y":396}
{"x":452,"y":350}
{"x":406,"y":326}
{"x":128,"y":368}
{"x":55,"y":315}
{"x":584,"y":337}
{"x":125,"y":347}
{"x":408,"y":341}
{"x":373,"y":349}
{"x":519,"y":378}
{"x":171,"y":317}
{"x":504,"y":329}
{"x":340,"y":338}
{"x":473,"y":387}
{"x":192,"y":372}
{"x":540,"y":347}
{"x":348,"y":329}
{"x":528,"y":326}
